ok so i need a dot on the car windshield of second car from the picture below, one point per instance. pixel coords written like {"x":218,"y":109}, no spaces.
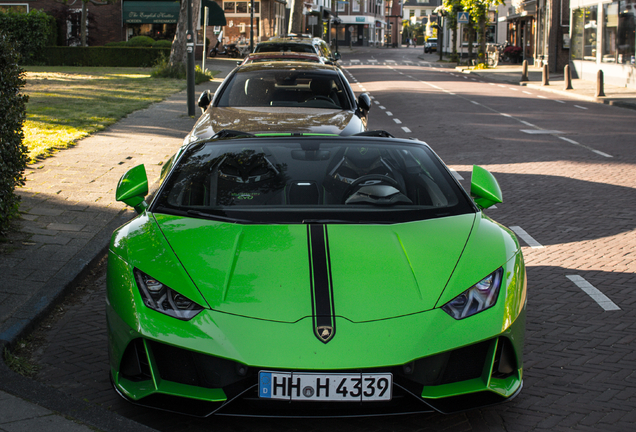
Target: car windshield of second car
{"x":285,"y":88}
{"x":285,"y":181}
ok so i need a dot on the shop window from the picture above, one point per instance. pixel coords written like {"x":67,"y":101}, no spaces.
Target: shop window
{"x":229,"y":7}
{"x":584,"y":28}
{"x":626,"y":35}
{"x":15,"y":8}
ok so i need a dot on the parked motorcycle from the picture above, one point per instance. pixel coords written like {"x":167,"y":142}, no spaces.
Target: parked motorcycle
{"x":230,"y":50}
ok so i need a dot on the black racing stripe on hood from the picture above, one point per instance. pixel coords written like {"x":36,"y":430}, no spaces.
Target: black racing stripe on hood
{"x":323,"y":321}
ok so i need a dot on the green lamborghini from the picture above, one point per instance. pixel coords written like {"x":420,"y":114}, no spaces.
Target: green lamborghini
{"x":313,"y":276}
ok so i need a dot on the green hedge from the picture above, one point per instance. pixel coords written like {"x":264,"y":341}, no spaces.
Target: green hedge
{"x":13,"y":153}
{"x":112,"y":56}
{"x":30,"y":33}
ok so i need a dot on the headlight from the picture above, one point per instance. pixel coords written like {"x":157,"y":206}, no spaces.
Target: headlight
{"x":477,"y":298}
{"x":164,"y":299}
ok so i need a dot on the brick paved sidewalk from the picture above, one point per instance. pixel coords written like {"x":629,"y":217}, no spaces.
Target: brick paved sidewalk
{"x":68,"y":215}
{"x":582,"y":89}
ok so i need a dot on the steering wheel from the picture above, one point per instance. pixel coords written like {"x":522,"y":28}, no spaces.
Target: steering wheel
{"x":375,"y":178}
{"x":320,"y":97}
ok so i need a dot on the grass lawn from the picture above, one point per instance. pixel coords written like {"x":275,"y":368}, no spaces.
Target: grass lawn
{"x":69,"y":103}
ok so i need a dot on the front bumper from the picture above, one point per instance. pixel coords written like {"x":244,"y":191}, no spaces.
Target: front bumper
{"x":157,"y":375}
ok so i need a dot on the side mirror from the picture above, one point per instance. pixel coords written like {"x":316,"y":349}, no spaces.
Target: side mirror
{"x":205,"y":99}
{"x":364,"y":102}
{"x":133,"y":187}
{"x":484,"y":188}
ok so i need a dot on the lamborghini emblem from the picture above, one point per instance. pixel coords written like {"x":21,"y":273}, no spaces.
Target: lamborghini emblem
{"x":324,"y":332}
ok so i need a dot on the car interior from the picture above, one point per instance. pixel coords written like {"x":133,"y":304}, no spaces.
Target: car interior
{"x":333,"y":176}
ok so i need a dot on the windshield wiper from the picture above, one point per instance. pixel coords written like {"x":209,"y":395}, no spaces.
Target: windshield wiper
{"x":217,"y":217}
{"x":329,"y":221}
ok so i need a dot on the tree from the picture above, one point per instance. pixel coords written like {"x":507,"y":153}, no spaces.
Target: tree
{"x":451,"y":7}
{"x":179,"y":53}
{"x":478,"y":11}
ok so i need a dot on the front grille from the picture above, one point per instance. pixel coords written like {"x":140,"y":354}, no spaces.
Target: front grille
{"x":196,"y":369}
{"x":449,"y":367}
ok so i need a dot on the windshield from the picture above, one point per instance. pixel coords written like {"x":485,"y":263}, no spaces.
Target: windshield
{"x":285,"y":47}
{"x":282,"y":87}
{"x":287,"y":180}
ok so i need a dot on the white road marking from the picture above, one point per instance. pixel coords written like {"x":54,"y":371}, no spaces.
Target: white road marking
{"x":502,"y":86}
{"x":405,"y":129}
{"x":541,"y":131}
{"x":513,"y":89}
{"x":542,"y":97}
{"x":589,"y":289}
{"x":382,"y":107}
{"x":527,"y":124}
{"x":397,"y":121}
{"x":455,"y":174}
{"x":578,"y":106}
{"x":389,"y":113}
{"x":372,"y":60}
{"x":354,"y":61}
{"x":527,"y":92}
{"x":526,"y":237}
{"x":598,"y":152}
{"x":506,"y":115}
{"x":376,"y":102}
{"x":559,"y":101}
{"x":476,"y":103}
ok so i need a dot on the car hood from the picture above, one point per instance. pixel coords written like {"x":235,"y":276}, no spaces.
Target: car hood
{"x":268,"y":271}
{"x":276,"y":119}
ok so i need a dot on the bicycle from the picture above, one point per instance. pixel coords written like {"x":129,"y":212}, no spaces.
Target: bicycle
{"x":493,"y":52}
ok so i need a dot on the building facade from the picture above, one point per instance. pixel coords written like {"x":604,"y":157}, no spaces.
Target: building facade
{"x":603,"y":37}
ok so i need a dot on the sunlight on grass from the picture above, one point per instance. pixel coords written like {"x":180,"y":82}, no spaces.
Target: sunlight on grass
{"x":69,"y":103}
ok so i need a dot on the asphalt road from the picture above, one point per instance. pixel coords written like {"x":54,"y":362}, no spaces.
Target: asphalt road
{"x":567,"y":173}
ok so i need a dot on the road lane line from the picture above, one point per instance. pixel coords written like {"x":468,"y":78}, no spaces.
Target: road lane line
{"x":559,"y":101}
{"x":527,"y":92}
{"x":579,"y":106}
{"x":528,"y":124}
{"x":589,"y":289}
{"x":405,"y":129}
{"x":542,"y":97}
{"x":397,"y":121}
{"x":526,"y":237}
{"x":598,"y":152}
{"x":389,"y":113}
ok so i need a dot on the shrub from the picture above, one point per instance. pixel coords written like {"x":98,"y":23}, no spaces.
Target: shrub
{"x":163,"y":69}
{"x":140,"y":41}
{"x":111,"y":44}
{"x":162,"y":44}
{"x":13,"y":153}
{"x":30,"y":33}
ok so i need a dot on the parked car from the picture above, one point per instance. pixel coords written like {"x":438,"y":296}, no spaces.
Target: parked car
{"x":299,"y":44}
{"x":289,"y":275}
{"x":282,"y":56}
{"x":430,"y":45}
{"x":283,"y":97}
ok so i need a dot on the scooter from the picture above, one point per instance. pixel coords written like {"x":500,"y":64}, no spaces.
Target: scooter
{"x":229,"y":49}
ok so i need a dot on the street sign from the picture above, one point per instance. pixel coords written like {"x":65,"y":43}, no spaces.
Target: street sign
{"x":462,"y":17}
{"x":350,"y":29}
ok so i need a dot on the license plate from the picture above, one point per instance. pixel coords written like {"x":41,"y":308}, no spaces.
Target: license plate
{"x":353,"y":387}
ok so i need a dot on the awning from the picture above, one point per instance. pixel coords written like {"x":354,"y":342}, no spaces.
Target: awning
{"x":151,"y":12}
{"x":216,"y":16}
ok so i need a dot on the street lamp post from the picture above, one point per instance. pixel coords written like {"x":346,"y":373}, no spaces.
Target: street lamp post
{"x":190,"y":61}
{"x":251,"y":26}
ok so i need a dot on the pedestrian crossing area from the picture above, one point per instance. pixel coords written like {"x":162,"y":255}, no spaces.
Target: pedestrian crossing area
{"x":375,"y":62}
